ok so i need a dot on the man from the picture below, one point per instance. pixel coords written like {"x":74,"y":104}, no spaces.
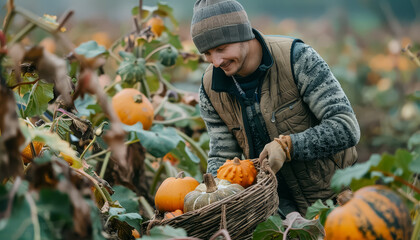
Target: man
{"x":272,"y":97}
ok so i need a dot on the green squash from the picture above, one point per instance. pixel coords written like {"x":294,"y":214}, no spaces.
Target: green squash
{"x":212,"y":190}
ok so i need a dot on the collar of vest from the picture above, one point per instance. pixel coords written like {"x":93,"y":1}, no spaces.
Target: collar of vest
{"x":223,"y":83}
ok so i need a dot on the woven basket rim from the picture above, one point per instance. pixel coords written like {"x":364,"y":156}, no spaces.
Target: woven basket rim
{"x":266,"y":183}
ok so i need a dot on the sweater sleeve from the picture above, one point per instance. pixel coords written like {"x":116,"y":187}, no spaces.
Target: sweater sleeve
{"x":338,"y":128}
{"x":223,"y":144}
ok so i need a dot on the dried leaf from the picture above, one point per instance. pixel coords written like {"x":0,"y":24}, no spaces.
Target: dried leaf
{"x":115,"y":137}
{"x":191,"y":99}
{"x":11,"y":139}
{"x":134,"y":177}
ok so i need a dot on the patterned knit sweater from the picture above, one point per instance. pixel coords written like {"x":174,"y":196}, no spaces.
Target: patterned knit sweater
{"x":338,"y":128}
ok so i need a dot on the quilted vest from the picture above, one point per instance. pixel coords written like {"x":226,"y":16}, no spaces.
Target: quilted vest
{"x":284,"y":112}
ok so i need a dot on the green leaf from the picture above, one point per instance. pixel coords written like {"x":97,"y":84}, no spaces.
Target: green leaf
{"x":28,"y":77}
{"x":63,"y":127}
{"x":165,"y":10}
{"x":415,"y":165}
{"x":90,"y":49}
{"x":96,"y":219}
{"x":127,"y":198}
{"x":344,"y":177}
{"x":55,"y":210}
{"x":362,"y":182}
{"x":20,"y":218}
{"x":165,"y":232}
{"x":188,"y":161}
{"x":302,"y":228}
{"x":159,"y":140}
{"x":174,"y":40}
{"x":127,"y":55}
{"x":414,"y":141}
{"x":39,"y":97}
{"x":83,"y":106}
{"x":414,"y":96}
{"x":204,"y":141}
{"x":162,"y":9}
{"x":45,"y":157}
{"x":153,"y":82}
{"x":318,"y":208}
{"x":272,"y":228}
{"x":145,"y":13}
{"x":133,"y":219}
{"x":397,"y":164}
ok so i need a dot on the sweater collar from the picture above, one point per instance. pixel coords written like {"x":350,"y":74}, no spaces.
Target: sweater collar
{"x":223,"y":83}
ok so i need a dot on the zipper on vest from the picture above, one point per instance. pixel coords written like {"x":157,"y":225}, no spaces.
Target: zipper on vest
{"x":289,"y":106}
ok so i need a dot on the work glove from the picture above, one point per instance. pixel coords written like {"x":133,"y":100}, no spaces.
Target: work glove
{"x":277,"y":152}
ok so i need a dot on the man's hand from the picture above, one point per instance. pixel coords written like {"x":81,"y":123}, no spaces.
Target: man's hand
{"x":277,"y":152}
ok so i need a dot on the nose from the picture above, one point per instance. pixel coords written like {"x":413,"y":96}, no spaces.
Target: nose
{"x":216,"y":60}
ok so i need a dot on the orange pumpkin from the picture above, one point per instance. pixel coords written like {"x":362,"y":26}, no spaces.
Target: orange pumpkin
{"x":27,"y":153}
{"x":132,"y":106}
{"x":170,"y":194}
{"x":173,"y":214}
{"x":169,"y":157}
{"x":374,"y":212}
{"x":238,"y":171}
{"x":156,"y":25}
{"x":135,"y":233}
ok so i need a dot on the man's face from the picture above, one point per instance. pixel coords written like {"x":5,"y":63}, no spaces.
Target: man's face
{"x":229,"y":57}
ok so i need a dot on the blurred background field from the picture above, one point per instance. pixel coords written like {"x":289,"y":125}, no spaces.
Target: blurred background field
{"x":362,"y":41}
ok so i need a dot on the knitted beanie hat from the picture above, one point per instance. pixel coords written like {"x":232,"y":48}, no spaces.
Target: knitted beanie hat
{"x":218,"y":22}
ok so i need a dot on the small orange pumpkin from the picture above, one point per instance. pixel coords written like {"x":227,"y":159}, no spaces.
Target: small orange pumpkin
{"x":135,"y":233}
{"x":238,"y":171}
{"x":170,"y":194}
{"x":374,"y":212}
{"x":169,"y":157}
{"x":156,"y":25}
{"x":173,"y":214}
{"x":27,"y":152}
{"x":132,"y":106}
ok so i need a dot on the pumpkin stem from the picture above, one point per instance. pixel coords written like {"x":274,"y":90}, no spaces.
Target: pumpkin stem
{"x":180,"y":174}
{"x":138,"y":98}
{"x":236,"y":161}
{"x":344,"y":197}
{"x":210,"y":183}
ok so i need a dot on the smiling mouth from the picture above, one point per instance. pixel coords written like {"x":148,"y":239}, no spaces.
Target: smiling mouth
{"x":226,"y":65}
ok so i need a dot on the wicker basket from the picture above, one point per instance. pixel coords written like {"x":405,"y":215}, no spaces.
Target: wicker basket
{"x":239,"y":214}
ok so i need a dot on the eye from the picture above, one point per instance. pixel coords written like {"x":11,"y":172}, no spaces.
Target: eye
{"x":207,"y":56}
{"x":220,"y":49}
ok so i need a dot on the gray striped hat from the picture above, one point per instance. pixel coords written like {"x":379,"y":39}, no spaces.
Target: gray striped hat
{"x":217,"y":22}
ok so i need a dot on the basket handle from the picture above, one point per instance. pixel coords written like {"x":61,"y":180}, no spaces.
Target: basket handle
{"x":264,"y":165}
{"x":223,"y":224}
{"x":152,"y":222}
{"x":221,"y":232}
